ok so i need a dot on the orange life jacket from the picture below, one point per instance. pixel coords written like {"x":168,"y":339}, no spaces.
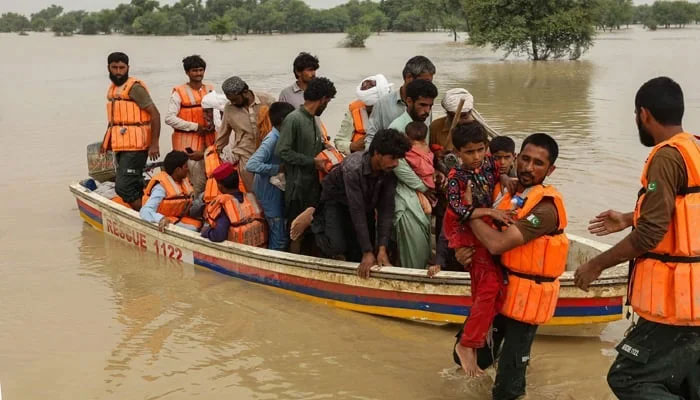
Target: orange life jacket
{"x":191,"y":110}
{"x":211,"y":162}
{"x":534,"y":268}
{"x":665,"y":283}
{"x":177,"y":201}
{"x":358,"y":111}
{"x":129,"y":126}
{"x":332,"y":158}
{"x":247,"y":223}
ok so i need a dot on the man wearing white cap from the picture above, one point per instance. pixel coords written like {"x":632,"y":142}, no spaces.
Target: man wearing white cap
{"x":440,"y":128}
{"x":351,"y":137}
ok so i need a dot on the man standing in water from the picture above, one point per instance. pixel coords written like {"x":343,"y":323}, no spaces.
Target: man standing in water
{"x":133,"y":129}
{"x":533,"y":252}
{"x":659,"y":358}
{"x":304,"y":68}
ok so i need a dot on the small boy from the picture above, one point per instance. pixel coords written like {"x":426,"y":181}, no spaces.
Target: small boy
{"x":421,"y":160}
{"x":469,"y":195}
{"x":502,"y":149}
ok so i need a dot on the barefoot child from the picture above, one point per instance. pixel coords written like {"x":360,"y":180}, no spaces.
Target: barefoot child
{"x":469,"y":191}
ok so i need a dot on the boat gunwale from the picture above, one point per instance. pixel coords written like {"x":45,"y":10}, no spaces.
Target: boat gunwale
{"x":612,"y":277}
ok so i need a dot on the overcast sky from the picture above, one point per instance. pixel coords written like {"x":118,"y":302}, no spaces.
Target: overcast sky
{"x":29,"y":6}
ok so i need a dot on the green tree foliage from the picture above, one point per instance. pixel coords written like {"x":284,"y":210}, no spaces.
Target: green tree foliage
{"x":13,"y":22}
{"x":90,"y":25}
{"x":540,"y":29}
{"x":357,"y":34}
{"x":666,"y":14}
{"x":106,"y":20}
{"x":65,"y":25}
{"x":220,"y":27}
{"x":611,"y":14}
{"x":376,"y":21}
{"x":160,"y":22}
{"x":48,"y":14}
{"x":39,"y":24}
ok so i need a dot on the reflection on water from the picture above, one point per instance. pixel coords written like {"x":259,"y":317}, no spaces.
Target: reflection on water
{"x":87,"y":317}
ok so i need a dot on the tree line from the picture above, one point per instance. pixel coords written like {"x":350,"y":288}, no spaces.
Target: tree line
{"x":613,"y":14}
{"x":240,"y":17}
{"x":540,"y":29}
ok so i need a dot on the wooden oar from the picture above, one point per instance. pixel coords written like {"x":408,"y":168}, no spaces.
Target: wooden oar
{"x":455,"y":120}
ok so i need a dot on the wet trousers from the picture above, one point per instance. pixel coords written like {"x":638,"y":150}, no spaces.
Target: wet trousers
{"x":659,"y":362}
{"x":512,"y":341}
{"x":487,"y":298}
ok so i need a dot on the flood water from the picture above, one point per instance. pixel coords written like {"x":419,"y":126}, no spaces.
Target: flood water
{"x":85,"y":317}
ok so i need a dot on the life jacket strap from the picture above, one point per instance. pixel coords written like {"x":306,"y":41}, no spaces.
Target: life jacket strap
{"x":536,"y":278}
{"x":688,"y":190}
{"x":667,"y":258}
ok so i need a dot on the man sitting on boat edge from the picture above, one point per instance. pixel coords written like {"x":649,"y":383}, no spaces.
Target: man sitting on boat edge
{"x":169,"y":195}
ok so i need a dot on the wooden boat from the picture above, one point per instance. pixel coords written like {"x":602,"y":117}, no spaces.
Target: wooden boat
{"x":390,"y":291}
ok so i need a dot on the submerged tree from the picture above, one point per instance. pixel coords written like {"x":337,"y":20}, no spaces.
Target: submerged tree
{"x":540,"y":29}
{"x":357,"y":35}
{"x":220,"y":27}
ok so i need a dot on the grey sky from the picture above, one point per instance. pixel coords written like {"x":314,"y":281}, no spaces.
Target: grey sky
{"x":29,"y":6}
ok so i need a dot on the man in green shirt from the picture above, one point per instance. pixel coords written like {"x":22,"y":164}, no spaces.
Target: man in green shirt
{"x":411,"y":225}
{"x":298,"y":147}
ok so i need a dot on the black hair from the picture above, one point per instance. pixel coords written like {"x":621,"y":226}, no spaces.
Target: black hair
{"x":546,"y":142}
{"x":502,"y":143}
{"x":117,"y":56}
{"x":663,"y":98}
{"x":174,"y":160}
{"x":421,"y":88}
{"x":303,"y":61}
{"x":389,"y":142}
{"x":278,"y":111}
{"x":417,"y":66}
{"x":193,"y":62}
{"x":319,"y":88}
{"x":471,"y":132}
{"x":231,"y":181}
{"x":417,"y":130}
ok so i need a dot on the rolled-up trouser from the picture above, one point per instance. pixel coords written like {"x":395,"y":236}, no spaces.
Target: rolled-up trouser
{"x":129,"y":180}
{"x":512,"y":341}
{"x":657,"y":361}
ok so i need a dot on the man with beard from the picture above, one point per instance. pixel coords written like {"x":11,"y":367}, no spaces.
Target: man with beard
{"x":411,"y":223}
{"x":304,"y":68}
{"x":353,"y":129}
{"x":659,"y":358}
{"x":358,"y":196}
{"x":392,"y":105}
{"x":133,"y":129}
{"x":298,"y":147}
{"x":186,"y":116}
{"x":533,"y":253}
{"x":240,"y":117}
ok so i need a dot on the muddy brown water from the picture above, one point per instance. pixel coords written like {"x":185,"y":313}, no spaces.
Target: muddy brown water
{"x":85,"y":317}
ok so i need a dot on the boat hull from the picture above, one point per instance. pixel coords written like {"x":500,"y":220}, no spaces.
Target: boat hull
{"x":395,"y":292}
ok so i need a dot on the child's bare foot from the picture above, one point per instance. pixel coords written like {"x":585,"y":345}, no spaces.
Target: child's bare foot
{"x":467,"y":357}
